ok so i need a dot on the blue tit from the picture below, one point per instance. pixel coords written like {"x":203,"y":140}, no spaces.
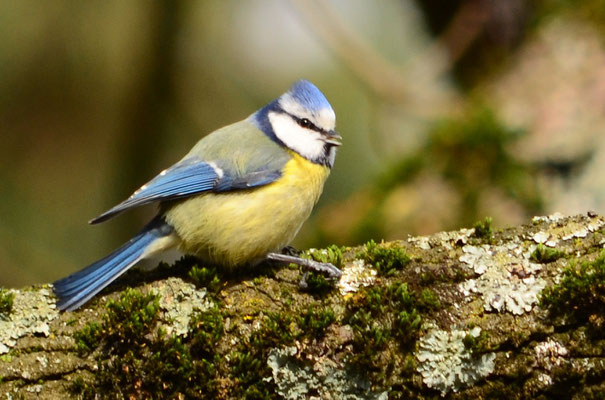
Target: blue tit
{"x":238,"y":197}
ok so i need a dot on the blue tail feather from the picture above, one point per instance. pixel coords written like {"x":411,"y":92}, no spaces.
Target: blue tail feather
{"x":78,"y":288}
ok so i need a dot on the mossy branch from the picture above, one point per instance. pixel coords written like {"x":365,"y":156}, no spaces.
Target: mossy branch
{"x":481,"y":313}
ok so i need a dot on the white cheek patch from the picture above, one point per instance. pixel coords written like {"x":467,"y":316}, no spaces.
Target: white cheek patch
{"x":305,"y":142}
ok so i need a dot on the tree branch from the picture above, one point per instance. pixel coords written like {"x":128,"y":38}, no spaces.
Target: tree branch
{"x":471,"y":313}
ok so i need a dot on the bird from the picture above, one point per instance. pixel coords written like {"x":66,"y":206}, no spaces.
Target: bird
{"x":237,"y":198}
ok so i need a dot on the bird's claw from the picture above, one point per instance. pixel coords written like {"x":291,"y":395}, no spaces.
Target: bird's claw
{"x":327,"y":269}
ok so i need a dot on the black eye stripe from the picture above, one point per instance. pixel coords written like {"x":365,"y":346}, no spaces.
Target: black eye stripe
{"x":305,"y":123}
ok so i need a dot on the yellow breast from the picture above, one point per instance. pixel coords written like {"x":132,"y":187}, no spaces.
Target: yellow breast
{"x":241,"y":227}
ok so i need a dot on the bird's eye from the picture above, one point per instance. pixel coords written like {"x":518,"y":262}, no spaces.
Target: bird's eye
{"x":305,"y":123}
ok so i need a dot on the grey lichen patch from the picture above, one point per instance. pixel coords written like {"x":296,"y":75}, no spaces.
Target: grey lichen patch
{"x":556,"y":217}
{"x":31,"y":313}
{"x":565,"y":229}
{"x":37,"y":389}
{"x":422,"y":242}
{"x":179,"y":300}
{"x":550,"y":354}
{"x":322,"y":380}
{"x":507,"y":281}
{"x":444,"y":239}
{"x":447,"y":365}
{"x":355,"y":275}
{"x":36,"y":366}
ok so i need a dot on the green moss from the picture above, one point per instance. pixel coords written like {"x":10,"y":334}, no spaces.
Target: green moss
{"x":245,"y":367}
{"x":206,"y":330}
{"x":402,"y":294}
{"x":315,"y":321}
{"x":279,"y":328}
{"x":6,"y":303}
{"x":169,"y":369}
{"x":428,"y":300}
{"x":317,"y":284}
{"x":87,"y":339}
{"x":580,"y":296}
{"x":248,"y":366}
{"x":386,"y":321}
{"x":205,"y":277}
{"x":130,"y":317}
{"x":6,"y":357}
{"x":138,"y":360}
{"x":408,"y":322}
{"x":385,"y":259}
{"x":79,"y":386}
{"x":370,"y":337}
{"x":483,"y":229}
{"x":427,"y":278}
{"x":477,"y":344}
{"x":545,"y":255}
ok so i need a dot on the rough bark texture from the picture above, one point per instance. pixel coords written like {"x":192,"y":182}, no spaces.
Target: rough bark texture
{"x":511,"y":314}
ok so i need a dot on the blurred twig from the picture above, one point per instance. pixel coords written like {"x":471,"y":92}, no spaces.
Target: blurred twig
{"x":464,"y":28}
{"x":383,"y":78}
{"x":391,"y":82}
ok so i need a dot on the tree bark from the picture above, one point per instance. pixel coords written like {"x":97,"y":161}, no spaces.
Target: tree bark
{"x":514,"y":313}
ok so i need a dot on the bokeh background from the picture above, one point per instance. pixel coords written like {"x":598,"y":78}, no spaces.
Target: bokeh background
{"x":451,"y":111}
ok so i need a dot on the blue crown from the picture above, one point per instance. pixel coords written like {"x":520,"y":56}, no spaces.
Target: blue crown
{"x":308,"y":95}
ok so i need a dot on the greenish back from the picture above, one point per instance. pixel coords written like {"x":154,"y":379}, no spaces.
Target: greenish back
{"x":241,"y":148}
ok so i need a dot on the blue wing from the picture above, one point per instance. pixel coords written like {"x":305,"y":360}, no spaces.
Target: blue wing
{"x":188,"y":177}
{"x":248,"y":181}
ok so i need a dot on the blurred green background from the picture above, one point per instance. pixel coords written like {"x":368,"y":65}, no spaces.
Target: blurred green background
{"x":450,"y":111}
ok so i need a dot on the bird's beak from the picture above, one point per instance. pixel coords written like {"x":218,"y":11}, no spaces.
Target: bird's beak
{"x":332,"y":137}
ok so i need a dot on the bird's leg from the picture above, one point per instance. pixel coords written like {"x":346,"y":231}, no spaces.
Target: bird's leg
{"x":291,"y":251}
{"x":324,"y":268}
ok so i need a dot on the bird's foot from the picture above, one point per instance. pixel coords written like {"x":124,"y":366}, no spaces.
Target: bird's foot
{"x":290,"y":251}
{"x":327,"y":269}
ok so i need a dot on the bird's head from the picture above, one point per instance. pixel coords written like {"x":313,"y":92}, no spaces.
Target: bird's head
{"x":302,"y":120}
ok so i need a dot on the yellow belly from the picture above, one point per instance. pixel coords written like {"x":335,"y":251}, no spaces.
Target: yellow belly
{"x":241,"y":227}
